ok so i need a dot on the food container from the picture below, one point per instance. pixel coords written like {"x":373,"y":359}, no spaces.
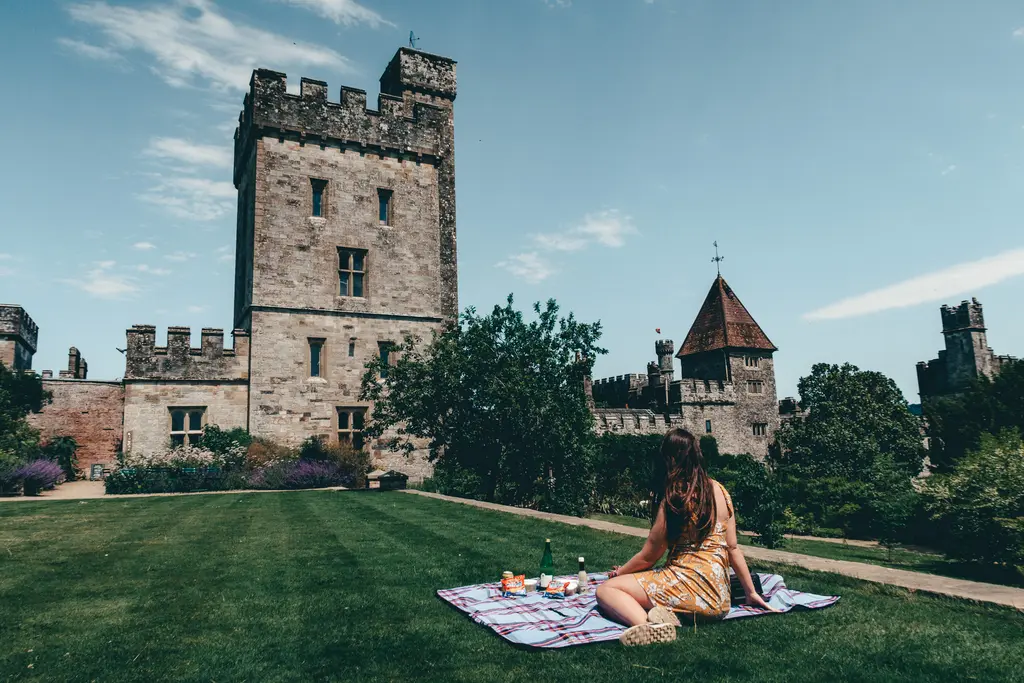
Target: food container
{"x":531,"y":585}
{"x":571,"y":588}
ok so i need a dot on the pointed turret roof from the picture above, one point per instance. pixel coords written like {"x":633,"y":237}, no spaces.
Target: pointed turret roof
{"x":723,"y":323}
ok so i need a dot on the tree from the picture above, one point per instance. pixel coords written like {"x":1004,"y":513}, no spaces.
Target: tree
{"x":858,"y":425}
{"x":956,"y":423}
{"x":21,"y":393}
{"x":979,"y":505}
{"x":891,"y":502}
{"x":500,"y":402}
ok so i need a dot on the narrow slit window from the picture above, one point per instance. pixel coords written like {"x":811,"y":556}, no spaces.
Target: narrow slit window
{"x":707,"y":426}
{"x":351,"y":272}
{"x":760,"y":429}
{"x":384,"y":205}
{"x":319,"y":186}
{"x":352,"y":348}
{"x":385,"y":350}
{"x":316,"y":347}
{"x":755,"y":386}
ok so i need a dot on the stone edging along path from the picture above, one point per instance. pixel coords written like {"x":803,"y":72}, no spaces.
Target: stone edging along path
{"x":914,"y":581}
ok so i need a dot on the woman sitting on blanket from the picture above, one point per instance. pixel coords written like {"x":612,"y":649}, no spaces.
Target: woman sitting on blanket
{"x":694,"y":521}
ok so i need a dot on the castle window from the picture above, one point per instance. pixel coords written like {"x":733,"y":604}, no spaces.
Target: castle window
{"x":350,"y":426}
{"x":318,"y":197}
{"x":316,"y":348}
{"x":707,"y":426}
{"x":352,"y":348}
{"x":752,"y":361}
{"x":755,"y":386}
{"x":385,"y":349}
{"x":760,"y":429}
{"x":186,"y":426}
{"x":707,"y":386}
{"x":351,"y":271}
{"x":384,"y":205}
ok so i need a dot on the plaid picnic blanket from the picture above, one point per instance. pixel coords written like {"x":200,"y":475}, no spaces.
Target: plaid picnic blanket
{"x":536,"y":621}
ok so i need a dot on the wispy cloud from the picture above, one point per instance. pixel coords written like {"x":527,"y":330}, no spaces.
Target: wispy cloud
{"x":225,"y":253}
{"x":180,"y":256}
{"x":558,"y":3}
{"x":344,"y":12}
{"x":189,"y":152}
{"x":1019,"y":33}
{"x":144,"y":246}
{"x":607,"y":228}
{"x":150,"y":270}
{"x":90,"y":51}
{"x":197,"y":199}
{"x":5,"y":257}
{"x":102,"y":283}
{"x":956,"y":280}
{"x":529,"y":266}
{"x":6,"y":272}
{"x":195,"y":309}
{"x":190,"y":40}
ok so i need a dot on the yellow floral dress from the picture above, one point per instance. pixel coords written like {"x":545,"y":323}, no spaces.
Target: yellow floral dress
{"x":694,"y":580}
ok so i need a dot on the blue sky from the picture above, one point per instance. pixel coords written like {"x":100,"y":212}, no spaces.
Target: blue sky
{"x":859,"y":164}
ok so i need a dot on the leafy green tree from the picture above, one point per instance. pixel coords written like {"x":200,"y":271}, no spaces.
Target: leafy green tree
{"x":979,"y":505}
{"x":829,"y":460}
{"x":957,"y":423}
{"x":63,"y":450}
{"x":892,"y":501}
{"x":21,"y":393}
{"x":500,"y":403}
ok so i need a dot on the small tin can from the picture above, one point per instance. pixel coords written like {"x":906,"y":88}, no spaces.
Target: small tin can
{"x":507,"y":575}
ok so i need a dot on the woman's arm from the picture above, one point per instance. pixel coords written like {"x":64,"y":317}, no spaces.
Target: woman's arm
{"x":739,"y":565}
{"x":652,"y":551}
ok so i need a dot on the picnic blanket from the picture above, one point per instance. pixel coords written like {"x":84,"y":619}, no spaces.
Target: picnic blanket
{"x":536,"y":621}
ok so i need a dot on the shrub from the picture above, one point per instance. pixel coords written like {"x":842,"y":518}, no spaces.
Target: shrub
{"x":352,"y":464}
{"x":10,"y":484}
{"x":39,"y":475}
{"x":979,"y":506}
{"x":624,"y":465}
{"x":231,"y":444}
{"x":314,"y":474}
{"x":263,"y":453}
{"x":62,"y":450}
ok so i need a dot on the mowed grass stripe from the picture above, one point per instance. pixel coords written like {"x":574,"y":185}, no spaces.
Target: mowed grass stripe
{"x":341,"y":586}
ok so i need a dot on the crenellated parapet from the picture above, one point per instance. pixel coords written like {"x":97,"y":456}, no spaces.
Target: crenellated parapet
{"x":15,"y":323}
{"x":702,"y":392}
{"x":967,"y":316}
{"x":412,"y":119}
{"x":633,"y":421}
{"x":179,"y":360}
{"x":619,"y":390}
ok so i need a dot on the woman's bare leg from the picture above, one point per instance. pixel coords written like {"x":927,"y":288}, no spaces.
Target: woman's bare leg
{"x":624,"y":600}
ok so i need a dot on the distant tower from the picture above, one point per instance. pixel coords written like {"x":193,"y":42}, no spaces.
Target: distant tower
{"x":18,"y":335}
{"x":967,"y":354}
{"x":665,"y":349}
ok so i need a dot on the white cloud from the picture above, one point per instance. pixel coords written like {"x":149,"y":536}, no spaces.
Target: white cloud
{"x":143,"y":268}
{"x":197,"y":199}
{"x":1019,"y":33}
{"x":6,"y":272}
{"x":191,"y":40}
{"x":5,"y":257}
{"x":196,"y":309}
{"x":225,"y":253}
{"x":608,"y":228}
{"x":144,"y":246}
{"x":961,"y":279}
{"x":344,"y":12}
{"x":90,"y":51}
{"x":180,"y":256}
{"x":949,"y":169}
{"x":101,"y":283}
{"x":190,"y":152}
{"x":558,"y":3}
{"x":529,"y":266}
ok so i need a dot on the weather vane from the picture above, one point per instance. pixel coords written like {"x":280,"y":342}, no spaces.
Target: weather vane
{"x":412,"y":40}
{"x":718,"y":260}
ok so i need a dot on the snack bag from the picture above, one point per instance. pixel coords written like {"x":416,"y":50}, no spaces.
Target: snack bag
{"x":514,"y":587}
{"x":556,"y":589}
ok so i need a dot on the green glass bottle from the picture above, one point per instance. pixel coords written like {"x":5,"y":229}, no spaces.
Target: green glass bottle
{"x":547,"y":563}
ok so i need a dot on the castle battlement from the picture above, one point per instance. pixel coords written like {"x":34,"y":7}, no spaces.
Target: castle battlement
{"x":16,"y":323}
{"x":703,"y":391}
{"x":968,"y":315}
{"x":180,"y":360}
{"x":410,"y":122}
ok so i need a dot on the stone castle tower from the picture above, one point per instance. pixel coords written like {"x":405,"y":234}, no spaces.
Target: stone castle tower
{"x":967,"y":355}
{"x":726,"y":387}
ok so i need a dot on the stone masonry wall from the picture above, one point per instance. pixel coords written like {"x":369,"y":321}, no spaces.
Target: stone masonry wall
{"x":147,"y":404}
{"x":87,"y":410}
{"x":18,"y":337}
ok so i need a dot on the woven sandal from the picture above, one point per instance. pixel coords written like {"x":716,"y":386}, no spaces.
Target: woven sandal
{"x":648,"y":634}
{"x":662,"y":615}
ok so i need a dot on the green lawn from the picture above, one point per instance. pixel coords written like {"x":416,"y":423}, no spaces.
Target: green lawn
{"x":319,"y":586}
{"x":901,"y":558}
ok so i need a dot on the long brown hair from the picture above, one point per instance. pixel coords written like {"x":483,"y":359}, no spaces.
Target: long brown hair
{"x":682,"y":483}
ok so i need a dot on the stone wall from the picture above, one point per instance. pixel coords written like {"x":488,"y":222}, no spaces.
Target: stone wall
{"x":147,"y":404}
{"x":90,"y":412}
